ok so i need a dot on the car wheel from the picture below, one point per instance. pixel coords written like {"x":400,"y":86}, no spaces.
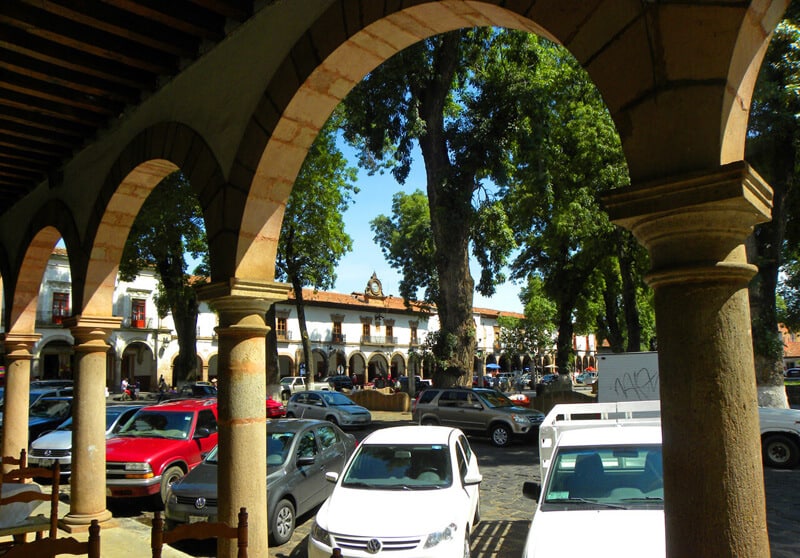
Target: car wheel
{"x":289,"y":414}
{"x":332,"y":419}
{"x":170,"y":476}
{"x":501,"y":435}
{"x":428,"y":422}
{"x":282,"y":522}
{"x":780,"y":451}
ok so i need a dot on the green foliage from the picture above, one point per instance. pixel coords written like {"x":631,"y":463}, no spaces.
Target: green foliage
{"x":169,"y":225}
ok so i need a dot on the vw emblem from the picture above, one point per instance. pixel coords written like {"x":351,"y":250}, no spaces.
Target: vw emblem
{"x":200,"y":503}
{"x":48,"y":453}
{"x":373,"y":546}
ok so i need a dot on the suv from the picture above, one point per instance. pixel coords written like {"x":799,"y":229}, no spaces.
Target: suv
{"x":339,"y":382}
{"x":159,"y":445}
{"x":476,"y":410}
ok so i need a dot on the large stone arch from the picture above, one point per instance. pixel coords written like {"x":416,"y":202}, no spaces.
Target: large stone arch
{"x":146,"y":160}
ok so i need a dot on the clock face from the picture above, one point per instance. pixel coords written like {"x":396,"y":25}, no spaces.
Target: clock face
{"x":374,"y":287}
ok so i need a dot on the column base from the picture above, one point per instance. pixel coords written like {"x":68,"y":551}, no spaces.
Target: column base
{"x":79,"y":523}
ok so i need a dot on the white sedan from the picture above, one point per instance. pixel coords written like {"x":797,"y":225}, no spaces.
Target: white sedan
{"x":427,"y":477}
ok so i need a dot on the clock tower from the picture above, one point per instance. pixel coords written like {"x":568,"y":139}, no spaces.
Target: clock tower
{"x":374,"y":288}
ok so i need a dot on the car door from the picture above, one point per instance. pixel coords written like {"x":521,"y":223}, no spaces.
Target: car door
{"x":310,"y":465}
{"x":467,"y":462}
{"x":314,"y":407}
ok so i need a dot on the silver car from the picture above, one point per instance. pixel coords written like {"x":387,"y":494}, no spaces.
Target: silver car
{"x":56,"y":446}
{"x":328,"y":405}
{"x":299,"y":453}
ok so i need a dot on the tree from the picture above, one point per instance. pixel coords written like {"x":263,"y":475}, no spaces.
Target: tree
{"x":564,"y":235}
{"x":170,"y":225}
{"x":312,"y":238}
{"x":772,"y":149}
{"x":453,"y":95}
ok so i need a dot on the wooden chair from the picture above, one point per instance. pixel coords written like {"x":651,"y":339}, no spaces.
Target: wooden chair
{"x":199,"y":531}
{"x":19,"y":463}
{"x":49,"y":548}
{"x":32,"y":524}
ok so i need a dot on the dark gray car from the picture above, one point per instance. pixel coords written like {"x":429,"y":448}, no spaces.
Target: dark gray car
{"x":328,"y":405}
{"x":299,"y":453}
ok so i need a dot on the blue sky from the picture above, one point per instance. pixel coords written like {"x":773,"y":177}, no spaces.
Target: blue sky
{"x":375,"y":198}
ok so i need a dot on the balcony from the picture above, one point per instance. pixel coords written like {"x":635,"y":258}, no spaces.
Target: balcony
{"x":338,"y":339}
{"x":47,"y":318}
{"x":378,"y":340}
{"x":137,"y":323}
{"x":284,"y":335}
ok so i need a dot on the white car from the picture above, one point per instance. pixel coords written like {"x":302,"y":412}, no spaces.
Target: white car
{"x":428,"y":477}
{"x":56,"y":445}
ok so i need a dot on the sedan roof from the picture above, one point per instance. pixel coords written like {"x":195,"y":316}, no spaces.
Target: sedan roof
{"x":415,"y":434}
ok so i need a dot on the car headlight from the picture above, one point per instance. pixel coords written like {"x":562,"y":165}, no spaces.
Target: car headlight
{"x":138,"y":467}
{"x":320,"y":534}
{"x":521,"y":419}
{"x":445,"y":534}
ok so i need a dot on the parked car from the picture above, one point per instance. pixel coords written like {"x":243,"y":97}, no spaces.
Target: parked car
{"x":46,"y":414}
{"x":299,"y":453}
{"x":158,"y":446}
{"x":56,"y":446}
{"x":419,"y":383}
{"x":427,"y":476}
{"x":792,"y":373}
{"x":275,"y":409}
{"x":339,"y":382}
{"x":476,"y":410}
{"x":548,"y":379}
{"x":328,"y":405}
{"x":37,"y":393}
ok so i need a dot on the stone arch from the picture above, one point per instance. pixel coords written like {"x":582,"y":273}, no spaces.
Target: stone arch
{"x":285,"y":365}
{"x":213,"y":363}
{"x":357,"y":364}
{"x":138,"y":364}
{"x":56,"y":356}
{"x":398,"y":365}
{"x":377,"y":366}
{"x":146,"y":160}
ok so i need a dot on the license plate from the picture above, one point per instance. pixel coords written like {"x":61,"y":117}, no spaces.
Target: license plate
{"x":197,"y":519}
{"x":46,"y":462}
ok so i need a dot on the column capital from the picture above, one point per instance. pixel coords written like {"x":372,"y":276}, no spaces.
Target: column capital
{"x":92,"y":331}
{"x":271,"y":291}
{"x":694,"y":225}
{"x":20,"y":344}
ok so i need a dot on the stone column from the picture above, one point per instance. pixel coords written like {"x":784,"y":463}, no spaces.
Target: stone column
{"x":19,"y":355}
{"x":88,"y":478}
{"x":694,"y":228}
{"x":241,"y":373}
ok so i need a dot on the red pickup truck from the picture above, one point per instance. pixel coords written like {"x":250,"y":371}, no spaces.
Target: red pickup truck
{"x":159,"y":445}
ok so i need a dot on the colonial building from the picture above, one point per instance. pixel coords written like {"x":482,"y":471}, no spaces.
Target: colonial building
{"x":365,"y":334}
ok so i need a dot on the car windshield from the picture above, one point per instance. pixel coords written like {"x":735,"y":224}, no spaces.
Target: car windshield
{"x":495,"y":399}
{"x":111,"y":416}
{"x":158,"y":424}
{"x":620,"y":476}
{"x":278,"y":446}
{"x":49,"y":408}
{"x":334,"y":398}
{"x":399,"y":467}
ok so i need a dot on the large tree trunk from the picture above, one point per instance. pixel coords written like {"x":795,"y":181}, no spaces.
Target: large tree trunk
{"x":301,"y":319}
{"x":450,"y":202}
{"x":615,"y":338}
{"x":629,"y":302}
{"x":184,"y":307}
{"x":273,"y":367}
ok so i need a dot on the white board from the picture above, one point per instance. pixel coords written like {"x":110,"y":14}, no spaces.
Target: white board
{"x":627,"y":377}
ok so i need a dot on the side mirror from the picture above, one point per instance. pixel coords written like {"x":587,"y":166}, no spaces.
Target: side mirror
{"x":202,"y":432}
{"x":332,"y":476}
{"x":532,"y":490}
{"x":305,"y":461}
{"x":472,"y":478}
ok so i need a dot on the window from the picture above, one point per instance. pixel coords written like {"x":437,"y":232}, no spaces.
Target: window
{"x":389,"y":331}
{"x":365,"y":329}
{"x":60,"y":307}
{"x":137,"y":312}
{"x":336,"y":335}
{"x":280,"y":328}
{"x":327,"y":437}
{"x":307,"y":446}
{"x":414,"y":335}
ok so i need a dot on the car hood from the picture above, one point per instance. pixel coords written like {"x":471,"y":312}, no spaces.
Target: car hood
{"x":57,"y":439}
{"x":520,"y":411}
{"x":351,"y":409}
{"x":423,"y":511}
{"x":201,"y":481}
{"x":618,"y":533}
{"x":140,"y":449}
{"x":779,"y":418}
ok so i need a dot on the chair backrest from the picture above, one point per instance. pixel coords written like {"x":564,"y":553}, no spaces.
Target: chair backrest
{"x":29,"y":496}
{"x":49,"y":548}
{"x":199,"y":531}
{"x":9,"y":462}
